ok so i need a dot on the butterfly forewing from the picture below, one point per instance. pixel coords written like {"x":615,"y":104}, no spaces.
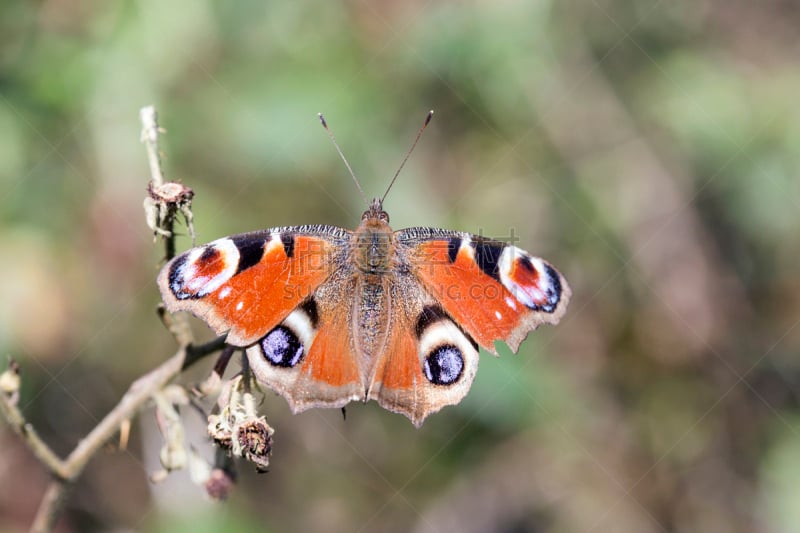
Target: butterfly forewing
{"x":494,"y":290}
{"x":246,"y":284}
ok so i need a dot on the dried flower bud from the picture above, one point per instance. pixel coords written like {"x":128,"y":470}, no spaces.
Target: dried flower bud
{"x":239,"y":428}
{"x":163,"y":201}
{"x":254,"y":442}
{"x":10,"y":380}
{"x":170,"y":192}
{"x":219,"y":430}
{"x":219,"y":484}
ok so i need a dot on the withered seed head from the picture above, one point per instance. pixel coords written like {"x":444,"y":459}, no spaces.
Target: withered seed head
{"x":255,"y":442}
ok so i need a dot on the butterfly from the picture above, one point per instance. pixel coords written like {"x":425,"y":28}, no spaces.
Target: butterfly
{"x":328,"y":316}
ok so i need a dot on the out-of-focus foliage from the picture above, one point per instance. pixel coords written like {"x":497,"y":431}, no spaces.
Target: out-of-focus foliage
{"x":648,"y":149}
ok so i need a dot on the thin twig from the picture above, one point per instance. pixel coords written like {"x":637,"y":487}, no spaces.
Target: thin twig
{"x":165,"y":199}
{"x":26,"y":431}
{"x":50,"y":508}
{"x":195,"y":353}
{"x":150,"y":131}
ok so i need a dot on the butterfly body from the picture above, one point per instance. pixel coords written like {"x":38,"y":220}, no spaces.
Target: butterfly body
{"x":328,"y":316}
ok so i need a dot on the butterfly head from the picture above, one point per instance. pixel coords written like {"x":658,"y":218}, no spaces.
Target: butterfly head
{"x":375,"y":213}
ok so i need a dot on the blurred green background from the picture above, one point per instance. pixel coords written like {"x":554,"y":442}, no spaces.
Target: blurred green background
{"x":649,"y":150}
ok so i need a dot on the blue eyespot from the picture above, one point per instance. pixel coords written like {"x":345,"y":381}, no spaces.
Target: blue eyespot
{"x":281,"y":347}
{"x":444,"y":365}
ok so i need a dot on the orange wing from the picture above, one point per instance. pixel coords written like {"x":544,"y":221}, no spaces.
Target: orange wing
{"x":246,"y":284}
{"x":308,"y":358}
{"x":493,"y":290}
{"x":427,"y":362}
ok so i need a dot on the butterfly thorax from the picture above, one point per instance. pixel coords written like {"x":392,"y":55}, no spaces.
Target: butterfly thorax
{"x":372,"y":243}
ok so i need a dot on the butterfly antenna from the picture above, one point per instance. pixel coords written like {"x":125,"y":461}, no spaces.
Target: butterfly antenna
{"x":333,"y":139}
{"x":408,"y":154}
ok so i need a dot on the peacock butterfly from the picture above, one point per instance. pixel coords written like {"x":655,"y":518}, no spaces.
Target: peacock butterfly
{"x":328,"y":315}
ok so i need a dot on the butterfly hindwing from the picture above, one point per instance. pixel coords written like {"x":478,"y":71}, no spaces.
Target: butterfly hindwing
{"x":427,"y":362}
{"x":308,"y":358}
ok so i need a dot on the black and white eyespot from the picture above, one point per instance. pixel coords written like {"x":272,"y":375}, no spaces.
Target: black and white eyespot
{"x":444,"y":349}
{"x":203,"y":270}
{"x":444,"y":365}
{"x":553,"y":289}
{"x":286,"y":344}
{"x":281,"y":347}
{"x":544,"y":294}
